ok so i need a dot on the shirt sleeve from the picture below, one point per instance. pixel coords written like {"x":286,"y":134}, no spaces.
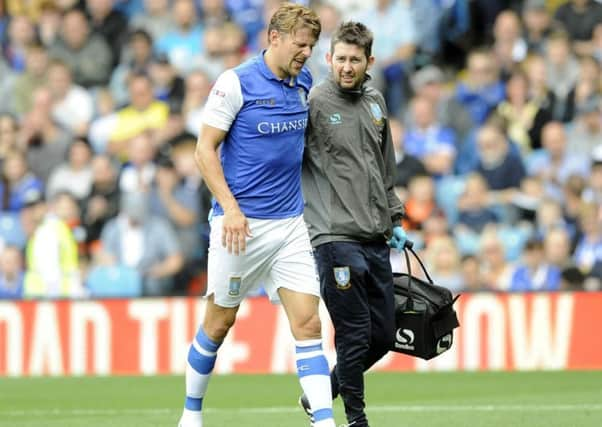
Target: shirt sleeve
{"x":224,"y":101}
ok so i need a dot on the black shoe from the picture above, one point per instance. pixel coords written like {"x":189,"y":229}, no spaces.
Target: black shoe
{"x":304,"y":404}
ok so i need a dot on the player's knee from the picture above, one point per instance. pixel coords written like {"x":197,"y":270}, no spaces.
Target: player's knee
{"x":217,"y":328}
{"x":307,"y":327}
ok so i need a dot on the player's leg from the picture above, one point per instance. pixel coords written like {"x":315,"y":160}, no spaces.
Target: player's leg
{"x":312,"y":366}
{"x":293,"y":280}
{"x":226,"y":287}
{"x":201,"y":359}
{"x":343,"y":269}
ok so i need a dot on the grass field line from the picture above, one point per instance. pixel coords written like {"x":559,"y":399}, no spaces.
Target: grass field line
{"x":288,"y":409}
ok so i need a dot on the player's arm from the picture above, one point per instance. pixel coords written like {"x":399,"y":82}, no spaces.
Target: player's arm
{"x":235,"y":227}
{"x":221,"y":109}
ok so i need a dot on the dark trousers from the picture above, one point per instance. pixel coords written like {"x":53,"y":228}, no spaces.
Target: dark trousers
{"x":357,"y":287}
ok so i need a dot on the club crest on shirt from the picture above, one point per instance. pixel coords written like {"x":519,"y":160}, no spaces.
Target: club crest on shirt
{"x":342,"y":275}
{"x":234,"y":286}
{"x":377,"y":113}
{"x":302,"y":96}
{"x":335,"y":119}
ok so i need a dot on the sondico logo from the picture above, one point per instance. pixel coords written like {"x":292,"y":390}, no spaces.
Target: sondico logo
{"x":405,"y":339}
{"x":444,"y":343}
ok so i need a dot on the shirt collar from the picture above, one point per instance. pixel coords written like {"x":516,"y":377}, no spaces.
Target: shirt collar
{"x":268,"y":74}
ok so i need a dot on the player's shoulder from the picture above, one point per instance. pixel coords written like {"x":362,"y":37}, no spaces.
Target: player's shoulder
{"x":374,"y":95}
{"x":246,"y":68}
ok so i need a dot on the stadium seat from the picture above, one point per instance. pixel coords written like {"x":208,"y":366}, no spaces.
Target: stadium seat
{"x":11,"y":230}
{"x":114,"y":281}
{"x":449,"y":189}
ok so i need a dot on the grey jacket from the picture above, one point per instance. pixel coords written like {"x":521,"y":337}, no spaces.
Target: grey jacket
{"x":349,"y":166}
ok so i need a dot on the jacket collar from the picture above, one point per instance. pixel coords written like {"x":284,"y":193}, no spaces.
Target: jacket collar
{"x":348,"y":93}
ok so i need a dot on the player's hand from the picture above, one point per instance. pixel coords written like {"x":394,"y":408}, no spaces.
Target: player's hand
{"x":235,"y":230}
{"x":399,"y":240}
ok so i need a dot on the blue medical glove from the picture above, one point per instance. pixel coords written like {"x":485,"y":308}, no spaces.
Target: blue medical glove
{"x":399,"y":239}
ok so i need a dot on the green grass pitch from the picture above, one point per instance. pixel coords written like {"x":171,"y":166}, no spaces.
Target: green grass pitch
{"x":546,"y":399}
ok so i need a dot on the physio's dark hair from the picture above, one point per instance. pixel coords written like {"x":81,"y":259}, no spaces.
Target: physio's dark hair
{"x":356,"y":33}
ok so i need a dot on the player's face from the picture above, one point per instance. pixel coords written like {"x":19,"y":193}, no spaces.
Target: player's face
{"x":349,"y":65}
{"x":294,"y":50}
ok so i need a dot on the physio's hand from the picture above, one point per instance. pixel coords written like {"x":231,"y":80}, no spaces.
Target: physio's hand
{"x":235,"y":230}
{"x":399,"y":240}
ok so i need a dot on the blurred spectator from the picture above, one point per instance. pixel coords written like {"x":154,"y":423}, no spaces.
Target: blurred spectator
{"x":428,"y":140}
{"x":75,"y":174}
{"x":428,"y":83}
{"x":524,"y":115}
{"x":104,"y":122}
{"x":11,"y":273}
{"x":474,"y":213}
{"x":497,"y":272}
{"x":557,"y":247}
{"x":33,"y":76}
{"x":168,"y":86}
{"x":136,"y":59}
{"x":185,"y":41}
{"x":562,"y":72}
{"x":88,"y":55}
{"x":408,"y":166}
{"x":109,"y":23}
{"x":197,"y":88}
{"x":509,"y":47}
{"x":49,"y":23}
{"x":534,"y":273}
{"x":593,"y":191}
{"x":537,"y":74}
{"x":143,"y":114}
{"x":138,"y":239}
{"x":579,"y":18}
{"x":500,"y":165}
{"x":470,"y":269}
{"x":52,"y":259}
{"x":67,"y":209}
{"x":444,"y":263}
{"x":72,"y":105}
{"x":177,"y":196}
{"x":573,"y":192}
{"x":537,"y":25}
{"x":214,"y":13}
{"x":394,"y":46}
{"x":9,"y":129}
{"x":139,"y":173}
{"x":482,"y":90}
{"x":587,"y":87}
{"x":17,"y":181}
{"x":21,"y":34}
{"x":549,"y":216}
{"x":330,"y":18}
{"x":553,"y":164}
{"x":588,"y":252}
{"x":420,"y":202}
{"x":4,"y":17}
{"x":102,"y":203}
{"x":45,"y":141}
{"x":585,"y":134}
{"x":212,"y":59}
{"x":597,"y":43}
{"x":156,"y":20}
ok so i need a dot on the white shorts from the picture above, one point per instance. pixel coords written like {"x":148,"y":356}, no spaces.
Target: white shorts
{"x":279,"y":255}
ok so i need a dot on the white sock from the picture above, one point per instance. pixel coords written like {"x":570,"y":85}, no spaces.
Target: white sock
{"x":314,"y":376}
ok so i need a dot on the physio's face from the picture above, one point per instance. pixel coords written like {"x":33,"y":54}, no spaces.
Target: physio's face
{"x":293,"y":50}
{"x":349,"y":65}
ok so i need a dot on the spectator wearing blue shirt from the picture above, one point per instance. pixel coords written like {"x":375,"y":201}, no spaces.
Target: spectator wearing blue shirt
{"x":482,"y":90}
{"x":185,"y":41}
{"x":534,"y":273}
{"x":11,"y":273}
{"x":17,"y":181}
{"x":428,"y":140}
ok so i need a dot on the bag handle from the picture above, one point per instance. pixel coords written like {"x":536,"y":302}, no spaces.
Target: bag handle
{"x":409,"y":247}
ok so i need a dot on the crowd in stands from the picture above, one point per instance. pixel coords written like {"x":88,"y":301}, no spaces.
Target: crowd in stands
{"x":495,"y":109}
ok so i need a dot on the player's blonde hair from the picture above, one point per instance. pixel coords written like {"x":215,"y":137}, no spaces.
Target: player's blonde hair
{"x":289,"y":17}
